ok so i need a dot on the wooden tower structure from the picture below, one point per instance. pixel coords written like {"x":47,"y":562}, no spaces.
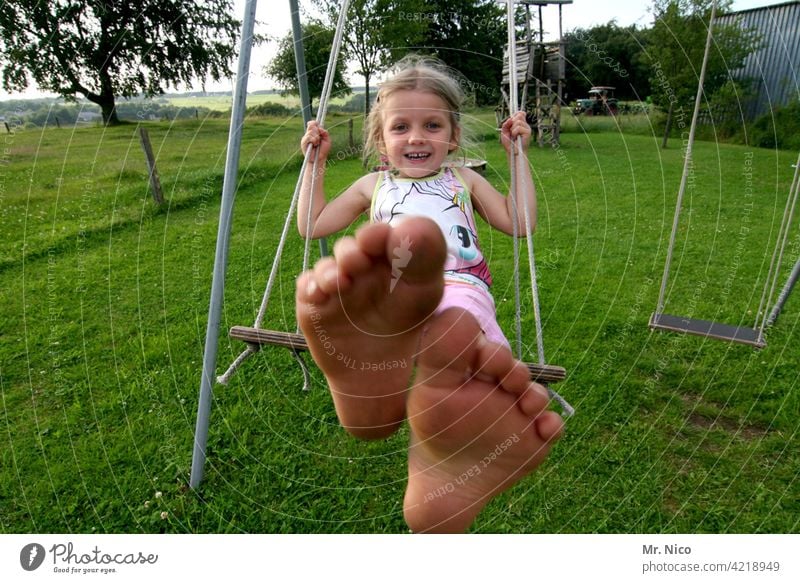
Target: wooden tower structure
{"x":540,"y":75}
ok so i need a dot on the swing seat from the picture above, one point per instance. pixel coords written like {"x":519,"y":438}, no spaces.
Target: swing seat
{"x":707,"y":329}
{"x":542,"y":373}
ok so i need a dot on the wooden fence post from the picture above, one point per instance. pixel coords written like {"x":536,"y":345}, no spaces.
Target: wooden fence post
{"x":352,"y":143}
{"x":155,"y":183}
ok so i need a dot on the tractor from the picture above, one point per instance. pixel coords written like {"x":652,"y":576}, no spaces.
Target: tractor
{"x":601,"y":101}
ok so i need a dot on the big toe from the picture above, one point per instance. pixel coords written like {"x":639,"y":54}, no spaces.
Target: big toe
{"x":416,"y":249}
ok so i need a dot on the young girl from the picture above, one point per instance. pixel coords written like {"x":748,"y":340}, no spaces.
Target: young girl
{"x":412,"y":290}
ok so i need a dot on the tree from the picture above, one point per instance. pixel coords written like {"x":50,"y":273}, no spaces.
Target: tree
{"x":676,"y":48}
{"x":377,"y":32}
{"x":607,"y":55}
{"x":469,"y":35}
{"x":103,"y":50}
{"x":317,"y":45}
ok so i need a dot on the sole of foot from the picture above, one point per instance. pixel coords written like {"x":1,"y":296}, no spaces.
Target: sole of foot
{"x":362,"y":312}
{"x":478,"y":425}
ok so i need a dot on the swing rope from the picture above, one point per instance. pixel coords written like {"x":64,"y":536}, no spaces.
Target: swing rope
{"x":321,"y":113}
{"x":756,"y":335}
{"x":517,"y":163}
{"x":686,"y":162}
{"x":513,"y":108}
{"x":777,"y":254}
{"x":253,"y":337}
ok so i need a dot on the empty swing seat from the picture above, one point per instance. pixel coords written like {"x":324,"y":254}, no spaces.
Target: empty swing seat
{"x":542,"y":373}
{"x":707,"y":329}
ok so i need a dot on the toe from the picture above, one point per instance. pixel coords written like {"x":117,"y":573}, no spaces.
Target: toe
{"x":549,"y":425}
{"x":533,"y":400}
{"x":352,"y":261}
{"x":308,"y":291}
{"x":372,"y":239}
{"x":448,"y":348}
{"x":327,"y":276}
{"x":418,"y":244}
{"x":495,"y":363}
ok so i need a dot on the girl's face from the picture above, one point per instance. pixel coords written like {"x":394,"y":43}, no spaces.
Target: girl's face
{"x":417,"y":133}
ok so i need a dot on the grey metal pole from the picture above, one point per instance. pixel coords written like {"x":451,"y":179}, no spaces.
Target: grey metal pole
{"x":223,"y":238}
{"x":793,"y":276}
{"x":784,"y":295}
{"x":300,"y":62}
{"x":302,"y":82}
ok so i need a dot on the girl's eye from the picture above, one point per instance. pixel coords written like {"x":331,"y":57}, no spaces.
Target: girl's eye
{"x":399,"y":127}
{"x":434,"y":125}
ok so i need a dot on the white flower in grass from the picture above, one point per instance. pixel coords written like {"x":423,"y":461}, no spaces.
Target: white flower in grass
{"x":158,"y":494}
{"x":164,"y":515}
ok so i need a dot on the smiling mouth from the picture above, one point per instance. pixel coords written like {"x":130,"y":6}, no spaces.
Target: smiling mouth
{"x":417,"y":156}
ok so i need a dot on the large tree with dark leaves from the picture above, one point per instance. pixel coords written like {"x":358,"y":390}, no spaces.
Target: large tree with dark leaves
{"x":108,"y":49}
{"x":377,"y":32}
{"x":469,"y":35}
{"x":675,"y":53}
{"x":317,"y":47}
{"x":607,"y":54}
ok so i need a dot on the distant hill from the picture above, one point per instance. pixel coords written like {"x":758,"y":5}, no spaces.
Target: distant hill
{"x":52,"y":111}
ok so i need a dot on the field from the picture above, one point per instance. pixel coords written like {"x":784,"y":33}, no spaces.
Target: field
{"x":223,"y":102}
{"x":105,"y":301}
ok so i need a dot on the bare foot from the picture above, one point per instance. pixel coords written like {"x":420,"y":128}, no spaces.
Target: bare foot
{"x":361,"y":314}
{"x":478,"y":425}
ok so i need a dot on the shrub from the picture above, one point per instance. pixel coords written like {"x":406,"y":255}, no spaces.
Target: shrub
{"x":778,"y":129}
{"x":269,"y":109}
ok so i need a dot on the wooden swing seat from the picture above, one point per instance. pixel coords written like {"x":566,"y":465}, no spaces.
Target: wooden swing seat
{"x":707,"y":329}
{"x":542,"y":373}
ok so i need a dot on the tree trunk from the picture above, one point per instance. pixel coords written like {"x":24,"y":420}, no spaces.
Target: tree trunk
{"x":108,"y":107}
{"x":109,"y":110}
{"x":105,"y":99}
{"x":668,"y":125}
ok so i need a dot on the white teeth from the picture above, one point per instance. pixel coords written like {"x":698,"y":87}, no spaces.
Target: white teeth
{"x":416,"y":156}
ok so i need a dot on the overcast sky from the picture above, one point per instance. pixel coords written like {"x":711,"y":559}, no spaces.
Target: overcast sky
{"x":274,"y":20}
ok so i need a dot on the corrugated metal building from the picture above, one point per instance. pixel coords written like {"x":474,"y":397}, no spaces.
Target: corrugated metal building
{"x":776,"y":67}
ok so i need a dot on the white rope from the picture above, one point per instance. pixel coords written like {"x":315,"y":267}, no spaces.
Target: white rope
{"x":327,"y":90}
{"x":225,"y":377}
{"x":780,"y":243}
{"x":686,"y":162}
{"x":517,"y":168}
{"x":513,"y":107}
{"x":517,"y":190}
{"x":321,"y":113}
{"x":777,"y":254}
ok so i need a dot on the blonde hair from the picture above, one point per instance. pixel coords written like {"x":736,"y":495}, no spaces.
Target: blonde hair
{"x":415,"y":73}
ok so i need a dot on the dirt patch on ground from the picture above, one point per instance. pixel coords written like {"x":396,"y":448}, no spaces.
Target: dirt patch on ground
{"x":708,"y":416}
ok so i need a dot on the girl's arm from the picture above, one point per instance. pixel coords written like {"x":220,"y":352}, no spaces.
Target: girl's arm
{"x":496,"y":209}
{"x":328,"y":217}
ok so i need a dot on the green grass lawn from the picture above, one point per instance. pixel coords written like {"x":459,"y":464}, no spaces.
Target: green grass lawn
{"x":104,"y":312}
